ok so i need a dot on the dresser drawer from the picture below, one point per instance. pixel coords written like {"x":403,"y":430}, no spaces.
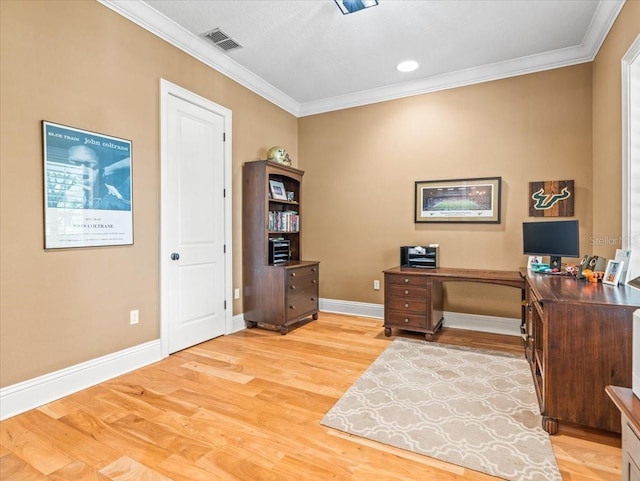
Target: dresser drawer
{"x":301,"y":292}
{"x":404,"y":304}
{"x":301,"y":303}
{"x":406,"y":280}
{"x":302,"y":284}
{"x":300,"y":272}
{"x":405,"y":321}
{"x":407,"y":291}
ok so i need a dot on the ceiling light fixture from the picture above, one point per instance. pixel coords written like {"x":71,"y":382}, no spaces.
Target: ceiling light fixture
{"x":350,"y":6}
{"x":407,"y":66}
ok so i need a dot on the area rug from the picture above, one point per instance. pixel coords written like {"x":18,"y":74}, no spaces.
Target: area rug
{"x":476,"y":409}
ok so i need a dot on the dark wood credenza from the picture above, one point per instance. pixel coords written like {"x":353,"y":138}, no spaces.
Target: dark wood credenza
{"x":577,"y":335}
{"x":578,"y":341}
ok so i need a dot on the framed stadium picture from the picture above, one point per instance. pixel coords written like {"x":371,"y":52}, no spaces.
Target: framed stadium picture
{"x":458,"y":200}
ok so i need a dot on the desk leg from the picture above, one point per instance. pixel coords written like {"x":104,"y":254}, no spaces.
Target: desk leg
{"x":550,"y":425}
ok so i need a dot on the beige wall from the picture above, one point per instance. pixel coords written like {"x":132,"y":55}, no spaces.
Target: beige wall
{"x":81,"y":64}
{"x":361,"y":165}
{"x":607,"y":128}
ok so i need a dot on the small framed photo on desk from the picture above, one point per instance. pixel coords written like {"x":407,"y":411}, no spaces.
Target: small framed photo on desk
{"x":612,"y":274}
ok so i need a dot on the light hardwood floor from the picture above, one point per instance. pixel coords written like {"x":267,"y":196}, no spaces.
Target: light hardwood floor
{"x":247,"y":407}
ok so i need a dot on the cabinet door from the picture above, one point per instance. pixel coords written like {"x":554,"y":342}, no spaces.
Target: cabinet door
{"x":535,"y":346}
{"x":588,"y":347}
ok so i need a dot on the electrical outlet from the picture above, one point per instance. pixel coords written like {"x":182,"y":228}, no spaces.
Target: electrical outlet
{"x":236,"y":293}
{"x":376,"y":285}
{"x":134,"y":317}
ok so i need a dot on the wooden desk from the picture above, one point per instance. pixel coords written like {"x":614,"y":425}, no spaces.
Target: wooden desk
{"x":413,"y":296}
{"x":577,"y":334}
{"x":629,"y":406}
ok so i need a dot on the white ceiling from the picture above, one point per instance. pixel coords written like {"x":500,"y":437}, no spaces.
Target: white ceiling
{"x":307,"y":57}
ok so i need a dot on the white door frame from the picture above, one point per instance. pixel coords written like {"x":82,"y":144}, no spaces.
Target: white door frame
{"x":169,"y":89}
{"x":630,"y":157}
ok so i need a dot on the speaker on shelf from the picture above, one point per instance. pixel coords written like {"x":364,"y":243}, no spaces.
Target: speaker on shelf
{"x":597,"y":264}
{"x":584,"y":264}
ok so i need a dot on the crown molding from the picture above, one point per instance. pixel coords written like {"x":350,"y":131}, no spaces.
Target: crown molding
{"x":146,"y":17}
{"x":460,"y":78}
{"x":601,"y":23}
{"x":158,"y":24}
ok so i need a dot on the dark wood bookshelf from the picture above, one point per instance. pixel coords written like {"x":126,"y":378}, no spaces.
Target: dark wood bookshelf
{"x":274,"y":296}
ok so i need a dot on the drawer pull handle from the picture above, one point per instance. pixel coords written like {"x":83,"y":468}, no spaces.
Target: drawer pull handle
{"x":406,"y":304}
{"x":313,"y":299}
{"x":292,"y":307}
{"x":293,"y":274}
{"x":406,"y":280}
{"x":406,"y":292}
{"x":313,"y":269}
{"x":406,"y":320}
{"x":293,"y":288}
{"x":314,"y":281}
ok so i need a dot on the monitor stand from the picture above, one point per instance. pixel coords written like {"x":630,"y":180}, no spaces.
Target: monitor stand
{"x":555,"y":262}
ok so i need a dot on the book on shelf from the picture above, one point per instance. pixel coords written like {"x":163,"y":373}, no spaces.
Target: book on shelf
{"x":283,"y":221}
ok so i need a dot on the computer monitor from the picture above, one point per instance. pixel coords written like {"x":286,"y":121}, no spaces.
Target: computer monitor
{"x":555,"y":239}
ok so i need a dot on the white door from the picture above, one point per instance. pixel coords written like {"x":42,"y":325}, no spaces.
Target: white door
{"x":193,"y":224}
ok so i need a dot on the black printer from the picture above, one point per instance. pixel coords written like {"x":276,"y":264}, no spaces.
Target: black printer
{"x":425,"y":257}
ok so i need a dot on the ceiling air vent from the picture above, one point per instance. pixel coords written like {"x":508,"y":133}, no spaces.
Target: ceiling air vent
{"x":221,"y":39}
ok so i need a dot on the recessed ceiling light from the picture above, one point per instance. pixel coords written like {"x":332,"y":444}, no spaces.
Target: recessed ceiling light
{"x":407,"y":66}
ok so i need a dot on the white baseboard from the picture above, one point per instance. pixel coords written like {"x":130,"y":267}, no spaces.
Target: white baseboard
{"x":473,"y":322}
{"x":21,"y":397}
{"x":508,"y":326}
{"x":237,"y":323}
{"x":361,"y":309}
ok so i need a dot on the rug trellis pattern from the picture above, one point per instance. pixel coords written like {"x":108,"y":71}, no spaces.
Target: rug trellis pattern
{"x":476,"y":409}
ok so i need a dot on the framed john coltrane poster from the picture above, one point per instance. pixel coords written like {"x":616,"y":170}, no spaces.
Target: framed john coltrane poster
{"x":87,"y":188}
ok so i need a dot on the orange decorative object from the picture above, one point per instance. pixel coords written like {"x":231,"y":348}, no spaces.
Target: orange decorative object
{"x":594,"y":276}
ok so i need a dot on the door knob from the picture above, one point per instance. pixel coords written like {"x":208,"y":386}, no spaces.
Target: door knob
{"x":175,"y":256}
